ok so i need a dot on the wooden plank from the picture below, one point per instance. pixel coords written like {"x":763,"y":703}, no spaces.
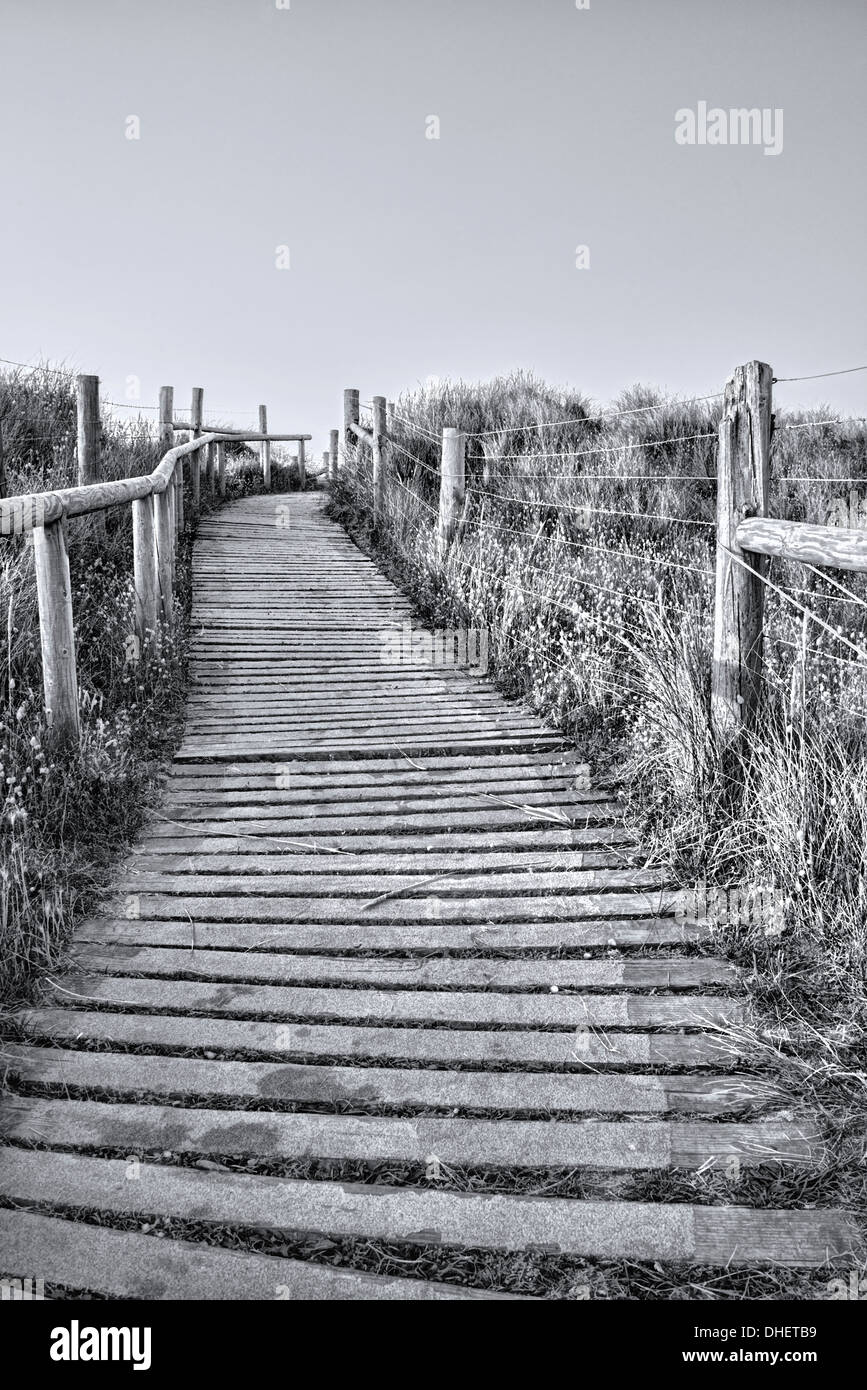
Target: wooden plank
{"x":421,"y":937}
{"x":834,"y":546}
{"x":278,"y":745}
{"x":476,"y":973}
{"x":597,"y":1230}
{"x":571,"y":1051}
{"x":365,"y":1087}
{"x":621,"y":1145}
{"x":436,"y":770}
{"x":452,"y":884}
{"x":254,"y":866}
{"x":480,"y":1010}
{"x":168,"y":836}
{"x":127,"y":1265}
{"x":255,"y":908}
{"x":207,"y":820}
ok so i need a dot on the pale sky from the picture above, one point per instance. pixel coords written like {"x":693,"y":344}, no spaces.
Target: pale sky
{"x":409,"y":257}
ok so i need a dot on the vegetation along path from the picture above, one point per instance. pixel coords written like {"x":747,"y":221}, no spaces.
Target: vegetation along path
{"x":384,"y":979}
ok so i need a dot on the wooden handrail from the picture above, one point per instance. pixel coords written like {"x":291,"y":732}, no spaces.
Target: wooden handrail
{"x":834,"y":546}
{"x":157,"y":502}
{"x":97,"y":497}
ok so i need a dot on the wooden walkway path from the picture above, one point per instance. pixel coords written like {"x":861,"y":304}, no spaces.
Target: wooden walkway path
{"x":380,"y":930}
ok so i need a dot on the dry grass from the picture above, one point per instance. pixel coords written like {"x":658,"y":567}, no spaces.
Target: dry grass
{"x":64,"y":819}
{"x":599,"y":606}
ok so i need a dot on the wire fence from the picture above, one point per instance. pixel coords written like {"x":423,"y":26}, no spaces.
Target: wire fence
{"x":538,"y":510}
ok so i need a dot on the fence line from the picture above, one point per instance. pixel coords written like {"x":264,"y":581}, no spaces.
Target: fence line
{"x":158,"y":503}
{"x":746,"y":535}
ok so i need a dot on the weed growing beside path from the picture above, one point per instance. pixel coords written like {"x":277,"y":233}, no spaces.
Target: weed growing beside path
{"x":586,"y":551}
{"x":65,"y":817}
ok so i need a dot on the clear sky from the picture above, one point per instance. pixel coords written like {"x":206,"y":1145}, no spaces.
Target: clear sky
{"x":411,"y":257}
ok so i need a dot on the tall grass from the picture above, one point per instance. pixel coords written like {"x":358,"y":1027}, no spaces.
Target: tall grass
{"x":586,"y":547}
{"x":64,"y":817}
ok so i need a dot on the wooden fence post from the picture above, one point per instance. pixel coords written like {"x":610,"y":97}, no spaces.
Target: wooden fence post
{"x":326,"y":464}
{"x":265,"y":448}
{"x":89,"y":462}
{"x":164,"y":544}
{"x":210,"y":469}
{"x":2,"y":464}
{"x":743,"y":477}
{"x":57,"y":637}
{"x":145,"y":572}
{"x":179,"y":495}
{"x":451,"y":485}
{"x":221,"y":469}
{"x":351,"y":416}
{"x":87,"y":410}
{"x":171,"y":502}
{"x":196,"y":457}
{"x":302,"y":465}
{"x":335,"y":446}
{"x":167,"y":415}
{"x":378,"y":448}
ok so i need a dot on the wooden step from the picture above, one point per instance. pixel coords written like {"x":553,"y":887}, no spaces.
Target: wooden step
{"x":613,"y":1230}
{"x":621,"y":1145}
{"x":481,"y":1009}
{"x":578,"y":1050}
{"x":270,"y":1082}
{"x":126,"y":1265}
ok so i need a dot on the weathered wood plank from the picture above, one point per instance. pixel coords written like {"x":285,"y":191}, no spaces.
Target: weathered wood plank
{"x":582,"y":1048}
{"x":127,"y":1265}
{"x":473,"y":973}
{"x":598,"y":1230}
{"x":418,"y":937}
{"x":278,"y":1082}
{"x":482,"y":1009}
{"x":618,"y":1145}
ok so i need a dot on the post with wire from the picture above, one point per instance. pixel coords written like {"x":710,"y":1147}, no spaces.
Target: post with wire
{"x":351,"y":415}
{"x":378,"y":448}
{"x":195,"y":456}
{"x":452,"y":485}
{"x":743,"y":478}
{"x":335,"y":447}
{"x":266,"y":448}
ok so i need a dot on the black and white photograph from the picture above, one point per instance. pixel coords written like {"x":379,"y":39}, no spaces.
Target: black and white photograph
{"x":433,"y":674}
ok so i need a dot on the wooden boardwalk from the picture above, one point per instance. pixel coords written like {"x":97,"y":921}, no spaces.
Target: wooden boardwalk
{"x":380,"y":931}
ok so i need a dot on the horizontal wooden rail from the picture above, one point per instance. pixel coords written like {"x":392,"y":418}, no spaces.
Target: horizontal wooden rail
{"x":361,"y":433}
{"x":183,"y":427}
{"x":42,"y":508}
{"x":47,"y":507}
{"x":158,"y":510}
{"x":834,"y":546}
